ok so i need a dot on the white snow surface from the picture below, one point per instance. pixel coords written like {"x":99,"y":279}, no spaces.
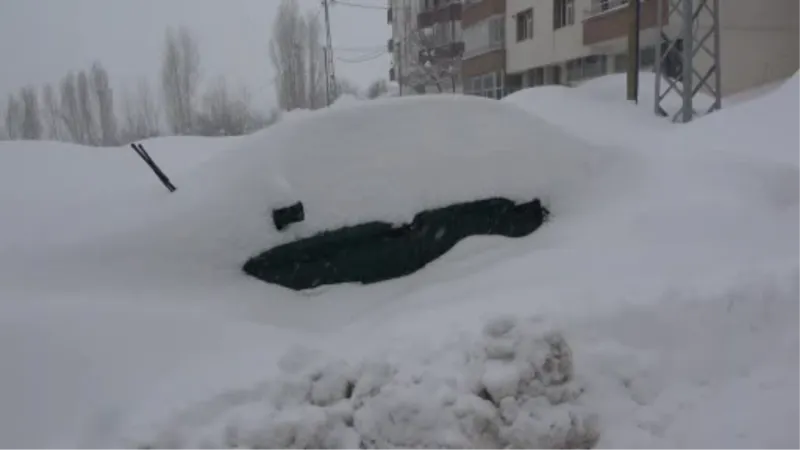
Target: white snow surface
{"x":657,"y":308}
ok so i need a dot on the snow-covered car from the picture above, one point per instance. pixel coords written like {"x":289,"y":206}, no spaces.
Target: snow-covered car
{"x":404,"y":185}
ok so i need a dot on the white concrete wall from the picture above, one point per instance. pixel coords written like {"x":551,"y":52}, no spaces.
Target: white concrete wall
{"x":759,"y":43}
{"x":547,"y":46}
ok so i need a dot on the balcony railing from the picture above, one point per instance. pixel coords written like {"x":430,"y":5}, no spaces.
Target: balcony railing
{"x":599,"y":7}
{"x":438,"y":13}
{"x":453,"y":50}
{"x":611,"y":19}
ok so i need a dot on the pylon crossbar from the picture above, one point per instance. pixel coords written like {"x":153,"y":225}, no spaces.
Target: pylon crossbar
{"x":676,"y":68}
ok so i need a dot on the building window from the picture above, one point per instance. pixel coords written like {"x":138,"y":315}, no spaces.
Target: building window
{"x":525,"y":25}
{"x":496,"y":31}
{"x":489,"y":85}
{"x":563,"y":13}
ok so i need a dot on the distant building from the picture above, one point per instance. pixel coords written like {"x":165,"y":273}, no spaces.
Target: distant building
{"x":567,"y":41}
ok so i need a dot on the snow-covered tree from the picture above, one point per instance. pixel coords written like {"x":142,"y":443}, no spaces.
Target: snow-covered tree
{"x":86,"y":109}
{"x":141,"y":117}
{"x":105,"y":105}
{"x":15,"y":113}
{"x":31,"y":119}
{"x":297,"y":56}
{"x":70,"y":111}
{"x":433,"y":67}
{"x":377,"y":89}
{"x":51,"y":115}
{"x":180,"y":76}
{"x":225,"y":113}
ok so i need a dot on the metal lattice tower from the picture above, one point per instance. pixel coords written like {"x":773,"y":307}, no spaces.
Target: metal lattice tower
{"x":677,"y":59}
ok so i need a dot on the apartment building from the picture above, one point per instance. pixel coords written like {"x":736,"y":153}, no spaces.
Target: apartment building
{"x":566,"y":41}
{"x":426,"y":45}
{"x":483,"y":67}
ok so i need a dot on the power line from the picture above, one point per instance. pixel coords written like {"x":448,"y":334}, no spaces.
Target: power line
{"x":370,"y":49}
{"x":366,"y":58}
{"x":358,"y":5}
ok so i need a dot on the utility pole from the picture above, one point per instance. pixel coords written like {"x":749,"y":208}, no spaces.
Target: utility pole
{"x":676,"y":57}
{"x":327,"y":77}
{"x":400,"y":66}
{"x":330,"y":72}
{"x":635,"y":14}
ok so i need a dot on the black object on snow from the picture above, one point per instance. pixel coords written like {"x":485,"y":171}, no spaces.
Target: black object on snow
{"x":139,"y":149}
{"x":283,"y":217}
{"x":377,"y":251}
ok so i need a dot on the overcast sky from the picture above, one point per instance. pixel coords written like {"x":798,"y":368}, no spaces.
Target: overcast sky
{"x":42,"y":40}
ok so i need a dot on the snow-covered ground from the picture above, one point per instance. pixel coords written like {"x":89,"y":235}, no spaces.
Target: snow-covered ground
{"x":657,"y":308}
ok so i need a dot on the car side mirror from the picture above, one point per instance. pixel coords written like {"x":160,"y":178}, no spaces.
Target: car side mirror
{"x":283,"y":217}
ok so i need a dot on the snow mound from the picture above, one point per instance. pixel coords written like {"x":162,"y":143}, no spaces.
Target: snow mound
{"x":43,"y":182}
{"x":512,"y":386}
{"x":403,"y":159}
{"x":768,"y":131}
{"x":607,"y":119}
{"x":613,"y":88}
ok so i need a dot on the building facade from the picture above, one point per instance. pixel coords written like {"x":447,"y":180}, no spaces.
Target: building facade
{"x":426,"y":45}
{"x":567,"y":41}
{"x":483,"y":68}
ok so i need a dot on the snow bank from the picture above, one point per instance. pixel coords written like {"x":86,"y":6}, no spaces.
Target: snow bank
{"x":511,"y":386}
{"x":767,"y":127}
{"x":608,"y":119}
{"x":403,"y":159}
{"x":613,"y":88}
{"x":43,"y":182}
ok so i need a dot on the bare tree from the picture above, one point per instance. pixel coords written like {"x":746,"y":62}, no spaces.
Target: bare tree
{"x":377,"y":89}
{"x":226,"y":113}
{"x":51,"y":114}
{"x":346,"y":87}
{"x":180,"y":75}
{"x":105,"y":105}
{"x":141,"y":115}
{"x":296,"y":55}
{"x":3,"y":131}
{"x":316,"y":63}
{"x":86,"y":108}
{"x":31,"y":119}
{"x":14,"y":117}
{"x":441,"y":70}
{"x":70,"y":110}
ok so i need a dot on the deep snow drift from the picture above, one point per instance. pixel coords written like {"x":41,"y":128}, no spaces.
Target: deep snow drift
{"x":670,"y":273}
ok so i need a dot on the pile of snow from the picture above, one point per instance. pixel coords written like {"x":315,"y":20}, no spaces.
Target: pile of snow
{"x":768,"y":128}
{"x":613,"y":88}
{"x":598,"y":111}
{"x":513,"y":386}
{"x":671,"y":272}
{"x":41,"y":183}
{"x":402,"y":160}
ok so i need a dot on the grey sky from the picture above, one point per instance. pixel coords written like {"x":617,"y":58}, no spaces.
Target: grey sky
{"x":41,"y":40}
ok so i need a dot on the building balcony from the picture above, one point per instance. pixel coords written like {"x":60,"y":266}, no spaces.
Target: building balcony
{"x":607,"y":20}
{"x":493,"y":60}
{"x":439,"y":11}
{"x":453,"y":50}
{"x":475,"y":12}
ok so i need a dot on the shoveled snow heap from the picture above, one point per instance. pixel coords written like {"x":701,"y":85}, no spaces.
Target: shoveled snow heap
{"x":513,"y":386}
